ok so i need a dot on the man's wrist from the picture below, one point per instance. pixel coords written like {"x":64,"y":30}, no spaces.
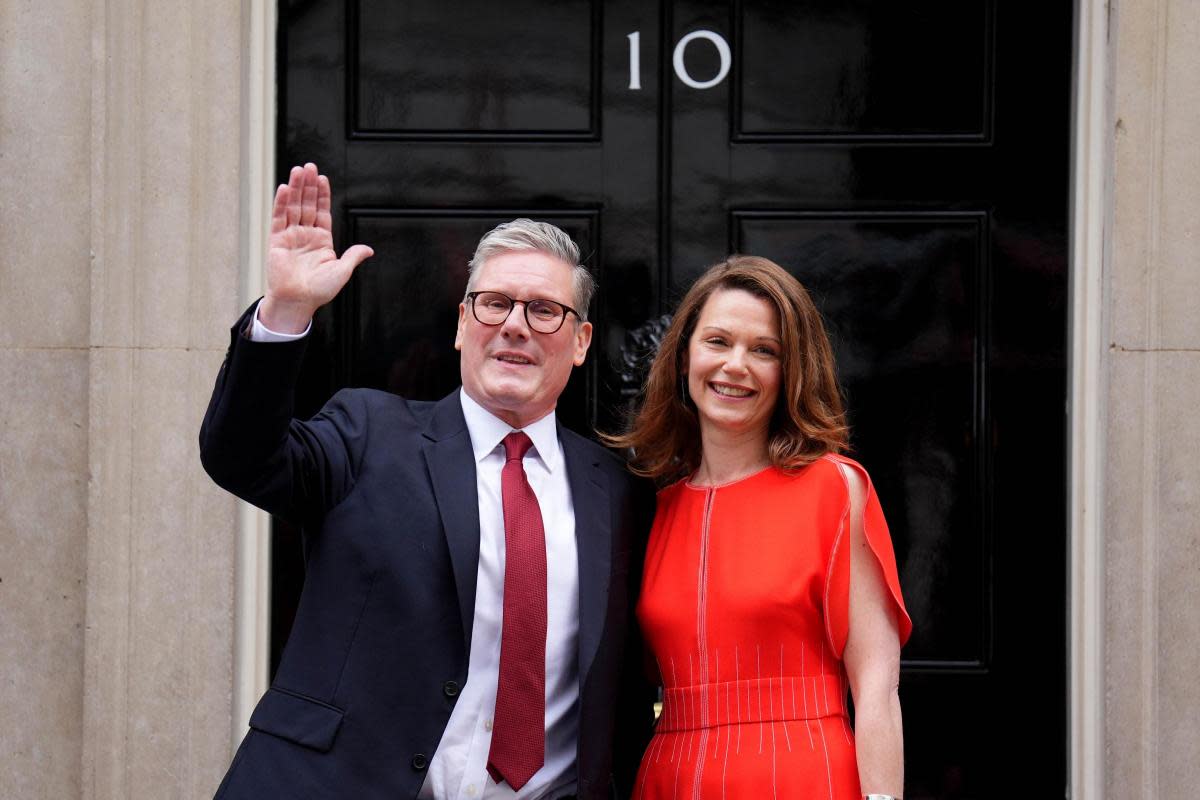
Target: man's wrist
{"x":283,"y":317}
{"x":879,"y":797}
{"x":258,"y":332}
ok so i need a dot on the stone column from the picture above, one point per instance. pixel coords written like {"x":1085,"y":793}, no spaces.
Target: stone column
{"x":166,"y":202}
{"x":1152,"y":483}
{"x":132,"y":134}
{"x":45,"y":63}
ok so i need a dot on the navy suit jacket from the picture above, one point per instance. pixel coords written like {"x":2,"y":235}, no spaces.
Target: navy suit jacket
{"x":384,"y":490}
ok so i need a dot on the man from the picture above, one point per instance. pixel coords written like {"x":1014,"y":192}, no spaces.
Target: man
{"x":467,"y":596}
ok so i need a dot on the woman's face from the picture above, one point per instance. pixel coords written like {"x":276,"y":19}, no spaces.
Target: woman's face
{"x":734,"y":362}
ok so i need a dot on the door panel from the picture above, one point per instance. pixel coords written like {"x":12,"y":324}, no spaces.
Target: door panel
{"x":908,"y":162}
{"x":863,"y":70}
{"x":910,"y":369}
{"x":485,"y":70}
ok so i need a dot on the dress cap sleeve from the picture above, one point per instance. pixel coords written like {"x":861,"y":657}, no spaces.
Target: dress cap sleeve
{"x":837,"y":584}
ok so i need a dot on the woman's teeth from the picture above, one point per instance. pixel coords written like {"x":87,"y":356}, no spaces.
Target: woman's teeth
{"x":730,"y":391}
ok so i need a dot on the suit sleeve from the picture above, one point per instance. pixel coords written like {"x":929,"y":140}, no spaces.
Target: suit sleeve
{"x":251,"y":446}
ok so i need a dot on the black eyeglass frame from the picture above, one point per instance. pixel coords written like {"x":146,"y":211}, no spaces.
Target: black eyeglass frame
{"x":512,"y":303}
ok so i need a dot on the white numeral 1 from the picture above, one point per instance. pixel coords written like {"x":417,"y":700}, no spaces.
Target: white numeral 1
{"x":635,"y":60}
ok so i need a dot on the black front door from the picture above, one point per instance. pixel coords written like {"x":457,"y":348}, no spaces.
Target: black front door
{"x":908,"y":162}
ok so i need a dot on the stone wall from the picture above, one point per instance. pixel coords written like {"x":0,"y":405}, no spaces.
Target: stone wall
{"x":1152,"y":514}
{"x":120,"y":214}
{"x":45,"y":237}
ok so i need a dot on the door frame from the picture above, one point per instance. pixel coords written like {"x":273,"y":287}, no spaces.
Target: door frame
{"x":1091,"y":191}
{"x":252,"y":546}
{"x":1090,"y":195}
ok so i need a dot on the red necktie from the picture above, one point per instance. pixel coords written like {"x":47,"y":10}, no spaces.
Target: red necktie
{"x":519,"y":726}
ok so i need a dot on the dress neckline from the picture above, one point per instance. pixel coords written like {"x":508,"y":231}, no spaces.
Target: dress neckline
{"x":712,"y":486}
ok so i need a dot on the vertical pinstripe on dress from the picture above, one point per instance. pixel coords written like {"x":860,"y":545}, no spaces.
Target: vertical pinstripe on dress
{"x":745,"y":604}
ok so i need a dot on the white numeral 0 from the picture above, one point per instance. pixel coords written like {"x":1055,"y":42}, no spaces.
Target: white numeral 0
{"x":722,"y":50}
{"x":635,"y":63}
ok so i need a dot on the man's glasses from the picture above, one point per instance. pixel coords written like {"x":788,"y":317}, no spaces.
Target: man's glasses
{"x":543,"y":316}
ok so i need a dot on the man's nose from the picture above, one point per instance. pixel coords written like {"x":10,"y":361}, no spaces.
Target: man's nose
{"x":515,"y":323}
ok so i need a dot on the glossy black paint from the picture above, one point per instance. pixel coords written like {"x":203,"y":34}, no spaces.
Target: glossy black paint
{"x":908,"y":162}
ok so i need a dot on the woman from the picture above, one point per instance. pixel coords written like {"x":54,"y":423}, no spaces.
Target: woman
{"x":770,"y":585}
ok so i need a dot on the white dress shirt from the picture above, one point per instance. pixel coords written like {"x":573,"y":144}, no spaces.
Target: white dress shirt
{"x":458,"y":769}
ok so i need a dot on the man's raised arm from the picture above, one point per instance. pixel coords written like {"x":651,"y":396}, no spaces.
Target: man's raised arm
{"x":249,"y":443}
{"x":303,"y":271}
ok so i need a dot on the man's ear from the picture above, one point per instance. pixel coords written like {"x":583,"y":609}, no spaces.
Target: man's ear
{"x":462,"y":323}
{"x":583,"y":339}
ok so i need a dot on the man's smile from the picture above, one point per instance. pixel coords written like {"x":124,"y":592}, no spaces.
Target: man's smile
{"x":510,"y":357}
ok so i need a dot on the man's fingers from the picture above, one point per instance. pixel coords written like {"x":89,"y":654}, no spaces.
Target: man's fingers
{"x":324,"y":201}
{"x":294,"y":194}
{"x":279,"y":209}
{"x":308,"y":202}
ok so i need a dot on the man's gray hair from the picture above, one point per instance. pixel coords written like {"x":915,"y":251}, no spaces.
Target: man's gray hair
{"x":527,"y":234}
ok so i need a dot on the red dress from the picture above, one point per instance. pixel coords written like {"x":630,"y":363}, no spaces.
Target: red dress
{"x":745,"y":605}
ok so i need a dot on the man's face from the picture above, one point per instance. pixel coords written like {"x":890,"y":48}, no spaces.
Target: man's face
{"x":512,"y":371}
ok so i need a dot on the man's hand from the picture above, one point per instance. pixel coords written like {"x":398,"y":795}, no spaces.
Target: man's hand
{"x":303,"y":271}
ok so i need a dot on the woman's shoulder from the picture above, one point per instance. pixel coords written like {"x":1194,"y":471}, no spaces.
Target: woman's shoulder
{"x":839,"y":459}
{"x":843,"y":469}
{"x":830,"y":468}
{"x":828,"y":480}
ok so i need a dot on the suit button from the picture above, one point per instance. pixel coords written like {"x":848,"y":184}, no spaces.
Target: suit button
{"x":419,"y":761}
{"x":450,"y":688}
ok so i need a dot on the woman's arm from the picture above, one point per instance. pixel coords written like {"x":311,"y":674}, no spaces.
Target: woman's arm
{"x":872,"y":659}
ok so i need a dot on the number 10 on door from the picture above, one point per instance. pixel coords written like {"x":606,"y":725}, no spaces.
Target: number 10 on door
{"x":717,"y":40}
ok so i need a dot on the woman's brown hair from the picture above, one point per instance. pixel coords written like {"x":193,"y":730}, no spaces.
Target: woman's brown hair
{"x":809,"y":418}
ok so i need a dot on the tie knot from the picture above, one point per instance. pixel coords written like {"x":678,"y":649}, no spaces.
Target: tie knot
{"x":516,"y":445}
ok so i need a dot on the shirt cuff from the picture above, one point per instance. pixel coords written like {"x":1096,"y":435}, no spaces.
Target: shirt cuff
{"x":261,"y":333}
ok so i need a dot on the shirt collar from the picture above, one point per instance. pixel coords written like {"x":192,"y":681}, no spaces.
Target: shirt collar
{"x":487,"y":431}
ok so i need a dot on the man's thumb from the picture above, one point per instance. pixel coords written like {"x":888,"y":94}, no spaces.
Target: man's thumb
{"x":356,"y":255}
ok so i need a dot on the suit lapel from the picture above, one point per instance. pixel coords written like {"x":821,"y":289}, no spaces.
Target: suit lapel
{"x":451,"y":462}
{"x":593,"y":537}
